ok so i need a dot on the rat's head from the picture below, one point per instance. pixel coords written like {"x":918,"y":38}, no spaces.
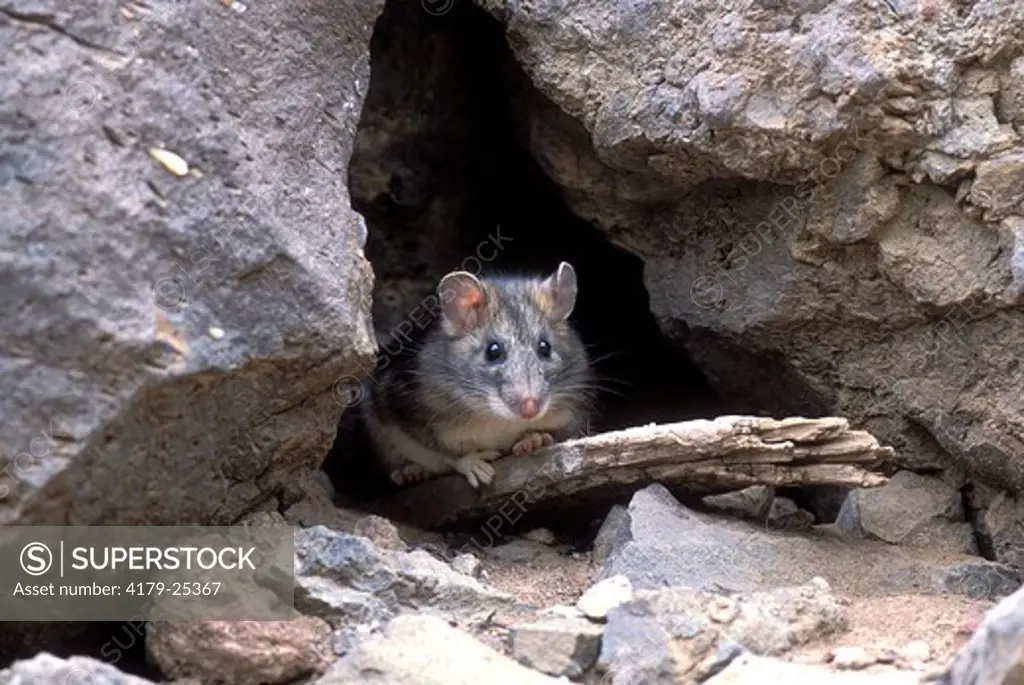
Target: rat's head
{"x":511,"y":349}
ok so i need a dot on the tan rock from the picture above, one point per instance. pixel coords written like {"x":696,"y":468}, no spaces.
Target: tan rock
{"x":381,"y":532}
{"x":241,"y":652}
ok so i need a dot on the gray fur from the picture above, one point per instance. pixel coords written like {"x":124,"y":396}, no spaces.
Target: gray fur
{"x":440,"y":405}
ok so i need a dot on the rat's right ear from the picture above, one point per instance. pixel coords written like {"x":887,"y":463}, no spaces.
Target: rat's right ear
{"x":560,"y":292}
{"x":463,"y":299}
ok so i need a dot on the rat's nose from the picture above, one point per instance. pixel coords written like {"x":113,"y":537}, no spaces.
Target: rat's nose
{"x":528,"y":406}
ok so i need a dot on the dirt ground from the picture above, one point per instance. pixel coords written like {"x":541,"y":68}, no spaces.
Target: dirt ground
{"x":887,"y":628}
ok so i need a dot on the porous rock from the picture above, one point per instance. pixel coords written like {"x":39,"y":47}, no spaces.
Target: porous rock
{"x":798,"y":182}
{"x":425,"y":650}
{"x":380,"y":532}
{"x":177,"y":346}
{"x":241,"y":652}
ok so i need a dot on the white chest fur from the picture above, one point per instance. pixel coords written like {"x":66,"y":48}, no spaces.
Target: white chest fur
{"x":478,"y":434}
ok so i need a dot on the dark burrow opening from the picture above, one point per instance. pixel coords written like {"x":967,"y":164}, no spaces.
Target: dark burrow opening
{"x":439,"y":168}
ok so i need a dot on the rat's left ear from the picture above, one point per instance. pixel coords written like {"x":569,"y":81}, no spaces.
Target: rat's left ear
{"x":560,"y":288}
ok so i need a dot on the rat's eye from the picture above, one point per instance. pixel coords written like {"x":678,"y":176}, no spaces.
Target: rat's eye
{"x":544,"y":349}
{"x":495,"y":352}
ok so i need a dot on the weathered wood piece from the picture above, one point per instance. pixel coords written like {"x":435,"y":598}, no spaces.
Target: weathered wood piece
{"x":727,"y":452}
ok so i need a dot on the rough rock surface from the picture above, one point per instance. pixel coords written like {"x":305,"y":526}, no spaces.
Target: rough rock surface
{"x":995,"y":653}
{"x":999,"y":518}
{"x":240,"y":652}
{"x":46,"y":669}
{"x":676,"y":635}
{"x":171,"y":342}
{"x":912,"y":510}
{"x":346,"y":580}
{"x":656,"y":542}
{"x":424,"y":650}
{"x":558,"y":646}
{"x":827,"y":197}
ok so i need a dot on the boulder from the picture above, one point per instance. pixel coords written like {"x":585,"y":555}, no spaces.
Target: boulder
{"x":826,"y":200}
{"x":187,"y":296}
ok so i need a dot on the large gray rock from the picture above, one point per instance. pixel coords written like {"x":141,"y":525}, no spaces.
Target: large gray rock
{"x":656,"y":542}
{"x":827,"y":201}
{"x":46,"y":669}
{"x":171,"y":342}
{"x":347,"y":580}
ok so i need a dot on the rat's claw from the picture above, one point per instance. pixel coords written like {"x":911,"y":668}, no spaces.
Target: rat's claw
{"x":531,"y":442}
{"x":409,"y":473}
{"x":475,"y":468}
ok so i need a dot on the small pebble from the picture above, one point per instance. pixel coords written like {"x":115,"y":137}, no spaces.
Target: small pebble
{"x":604,"y":596}
{"x":851,"y":658}
{"x":215,"y":333}
{"x":170,"y":161}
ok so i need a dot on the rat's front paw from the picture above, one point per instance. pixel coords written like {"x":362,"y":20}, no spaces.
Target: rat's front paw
{"x":531,"y":442}
{"x":408,"y":474}
{"x":475,"y":467}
